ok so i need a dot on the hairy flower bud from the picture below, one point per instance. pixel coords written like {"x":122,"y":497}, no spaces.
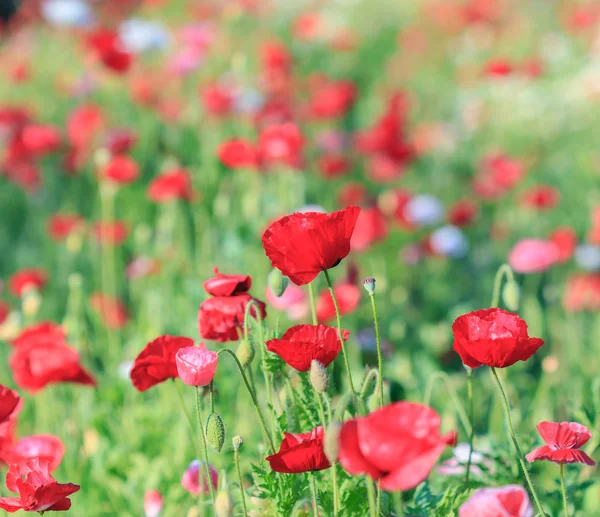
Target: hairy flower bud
{"x":319,"y":377}
{"x":224,"y":504}
{"x":277,"y":282}
{"x":511,"y":296}
{"x":245,"y":352}
{"x":330,"y":442}
{"x":215,"y":432}
{"x":237,"y":441}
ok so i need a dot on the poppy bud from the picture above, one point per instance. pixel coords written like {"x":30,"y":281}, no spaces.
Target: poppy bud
{"x":330,"y":442}
{"x":245,"y":352}
{"x":215,"y":432}
{"x":277,"y":282}
{"x":74,"y":242}
{"x":101,"y":158}
{"x":237,"y":441}
{"x":318,"y":376}
{"x":511,"y":295}
{"x":31,"y":302}
{"x":369,"y":285}
{"x":224,"y":504}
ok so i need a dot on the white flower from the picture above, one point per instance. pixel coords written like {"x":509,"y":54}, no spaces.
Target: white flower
{"x":587,"y":257}
{"x":424,"y":210}
{"x":449,"y":241}
{"x":67,"y":13}
{"x":143,"y":36}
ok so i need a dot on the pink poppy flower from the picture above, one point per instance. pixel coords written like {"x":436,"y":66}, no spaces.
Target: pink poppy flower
{"x":191,"y":478}
{"x":293,"y":301}
{"x":506,"y":501}
{"x":533,"y":256}
{"x":196,"y":365}
{"x":153,"y":503}
{"x":563,"y":442}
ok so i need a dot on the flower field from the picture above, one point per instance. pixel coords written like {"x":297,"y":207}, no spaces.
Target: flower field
{"x":330,"y":258}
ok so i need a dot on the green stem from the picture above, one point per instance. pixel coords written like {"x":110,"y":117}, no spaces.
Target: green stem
{"x":205,"y":448}
{"x":563,"y":489}
{"x":471,"y":411}
{"x":313,"y":305}
{"x":398,"y":503}
{"x":252,"y":396}
{"x":372,"y":374}
{"x":334,"y":483}
{"x":236,"y":458}
{"x":340,"y":331}
{"x":379,"y":355}
{"x":188,"y":417}
{"x":371,"y":497}
{"x":503,"y":270}
{"x":513,"y":437}
{"x":212,"y":397}
{"x":378,"y":509}
{"x":313,"y":490}
{"x":452,"y":393}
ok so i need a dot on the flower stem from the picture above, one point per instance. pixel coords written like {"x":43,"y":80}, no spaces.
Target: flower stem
{"x":503,"y":270}
{"x":371,"y":496}
{"x":313,"y":305}
{"x":236,"y":459}
{"x":379,"y":355}
{"x":313,"y":490}
{"x":398,"y":504}
{"x":471,"y":417}
{"x":188,"y":417}
{"x":513,"y":436}
{"x":563,"y":489}
{"x":340,"y":332}
{"x":252,"y":396}
{"x":205,"y":448}
{"x":452,"y":393}
{"x":334,"y":483}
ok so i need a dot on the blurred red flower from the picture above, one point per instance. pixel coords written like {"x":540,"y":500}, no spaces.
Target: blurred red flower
{"x":563,"y":441}
{"x":533,"y":256}
{"x":30,"y":278}
{"x":83,"y":124}
{"x":582,"y":292}
{"x":281,"y":144}
{"x":302,"y":344}
{"x":120,"y":140}
{"x":301,"y":452}
{"x":463,"y":212}
{"x":9,"y":402}
{"x":111,"y":309}
{"x":493,"y":337}
{"x":121,"y":170}
{"x":541,"y":197}
{"x":61,"y":225}
{"x":371,"y":227}
{"x":398,"y":445}
{"x":238,"y":153}
{"x":332,"y":99}
{"x":106,"y":45}
{"x":110,"y":233}
{"x":169,"y":185}
{"x":506,"y":501}
{"x":38,"y":490}
{"x":333,"y":165}
{"x":499,"y":67}
{"x":41,"y":356}
{"x":156,"y":363}
{"x":4,"y":311}
{"x":217,"y":100}
{"x":301,"y":245}
{"x":565,"y":240}
{"x":40,"y":139}
{"x":45,"y":447}
{"x":190,"y":480}
{"x":348,"y":297}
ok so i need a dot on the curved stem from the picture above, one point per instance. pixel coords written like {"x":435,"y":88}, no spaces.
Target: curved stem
{"x":313,"y":489}
{"x":563,"y":489}
{"x":372,"y":374}
{"x":340,"y":331}
{"x":236,"y":459}
{"x":313,"y":305}
{"x":204,"y":447}
{"x":452,"y":393}
{"x":503,"y":270}
{"x":378,"y":340}
{"x":471,"y":411}
{"x":252,"y":396}
{"x":513,"y":436}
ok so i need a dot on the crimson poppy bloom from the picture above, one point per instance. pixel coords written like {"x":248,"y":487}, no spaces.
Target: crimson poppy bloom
{"x":301,"y":245}
{"x":302,"y":344}
{"x":41,"y":356}
{"x":83,"y":124}
{"x":108,"y":48}
{"x":120,"y":140}
{"x":196,"y":365}
{"x":563,"y":441}
{"x":281,"y":144}
{"x":4,"y":311}
{"x":217,"y":100}
{"x":170,"y":185}
{"x":156,"y":363}
{"x":110,"y":233}
{"x":462,"y":213}
{"x":541,"y":197}
{"x":121,"y":170}
{"x":565,"y":240}
{"x":9,"y":402}
{"x":493,"y":337}
{"x":60,"y":226}
{"x":45,"y":447}
{"x":398,"y":445}
{"x":582,"y":292}
{"x":38,"y":490}
{"x":238,"y":153}
{"x":227,"y":285}
{"x":111,"y":309}
{"x":348,"y":297}
{"x":300,"y":453}
{"x":506,"y":501}
{"x":40,"y":139}
{"x":371,"y":227}
{"x":332,"y":99}
{"x":333,"y":165}
{"x":31,"y":278}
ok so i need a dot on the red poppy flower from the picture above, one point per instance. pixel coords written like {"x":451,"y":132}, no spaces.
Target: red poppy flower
{"x":333,"y":165}
{"x":533,"y":255}
{"x":42,"y":356}
{"x":38,"y":490}
{"x":302,"y":344}
{"x":302,"y":245}
{"x":120,"y":140}
{"x":565,"y":240}
{"x":348,"y":297}
{"x":9,"y":402}
{"x":352,"y":193}
{"x":46,"y":447}
{"x":281,"y":144}
{"x":217,"y":100}
{"x":60,"y":226}
{"x":221,"y":318}
{"x":563,"y":442}
{"x":4,"y":311}
{"x":170,"y":185}
{"x":582,"y":292}
{"x":121,"y":170}
{"x":332,"y":99}
{"x":156,"y":363}
{"x":493,"y":337}
{"x":111,"y":309}
{"x":7,"y":431}
{"x":40,"y":139}
{"x":238,"y":153}
{"x":300,"y":453}
{"x":398,"y":445}
{"x":32,"y":278}
{"x":107,"y":47}
{"x":111,"y":233}
{"x":541,"y":197}
{"x":371,"y":227}
{"x":83,"y":124}
{"x":227,"y":285}
{"x":499,"y":68}
{"x":462,"y":213}
{"x":506,"y":501}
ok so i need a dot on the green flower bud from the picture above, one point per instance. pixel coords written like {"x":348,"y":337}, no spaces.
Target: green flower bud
{"x":224,"y":504}
{"x":245,"y":352}
{"x":237,"y":441}
{"x":277,"y":282}
{"x":511,"y":296}
{"x":215,"y":432}
{"x":330,"y":441}
{"x":319,"y":377}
